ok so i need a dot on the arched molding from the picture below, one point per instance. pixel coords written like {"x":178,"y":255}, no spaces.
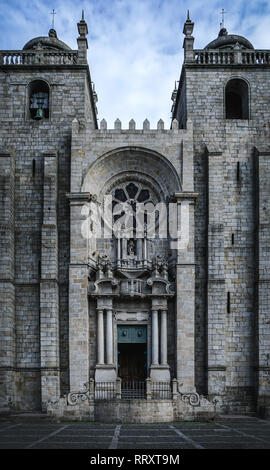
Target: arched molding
{"x":127,"y":163}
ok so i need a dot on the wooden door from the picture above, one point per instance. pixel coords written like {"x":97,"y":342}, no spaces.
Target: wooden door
{"x":132,"y":362}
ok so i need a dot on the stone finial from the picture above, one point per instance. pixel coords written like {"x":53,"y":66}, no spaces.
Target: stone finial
{"x":189,"y":40}
{"x":82,"y":41}
{"x":117,"y":124}
{"x":160,"y":124}
{"x":132,"y":124}
{"x":175,"y":124}
{"x":82,"y":27}
{"x":95,"y":96}
{"x":103,"y":124}
{"x":52,"y":33}
{"x":188,"y":26}
{"x":174,"y":93}
{"x":75,"y":125}
{"x":146,"y":125}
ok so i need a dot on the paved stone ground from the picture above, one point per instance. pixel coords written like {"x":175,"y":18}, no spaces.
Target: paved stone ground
{"x":180,"y":435}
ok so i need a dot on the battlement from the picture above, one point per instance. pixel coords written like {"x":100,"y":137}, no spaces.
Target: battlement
{"x":132,"y":126}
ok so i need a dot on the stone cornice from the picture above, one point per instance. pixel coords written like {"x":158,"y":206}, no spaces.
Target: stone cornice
{"x":186,"y":195}
{"x":76,"y":199}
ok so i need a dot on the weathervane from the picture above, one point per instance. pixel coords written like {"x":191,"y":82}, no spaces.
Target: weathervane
{"x":53,"y":13}
{"x":222,"y":17}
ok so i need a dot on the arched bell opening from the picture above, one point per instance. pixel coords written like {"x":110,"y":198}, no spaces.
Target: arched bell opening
{"x":38,"y":100}
{"x":237,"y":99}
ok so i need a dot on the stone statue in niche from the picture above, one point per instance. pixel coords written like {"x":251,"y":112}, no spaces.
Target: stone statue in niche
{"x":131,"y":248}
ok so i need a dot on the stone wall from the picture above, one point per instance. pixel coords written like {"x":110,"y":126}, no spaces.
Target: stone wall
{"x":26,"y":141}
{"x":235,"y":194}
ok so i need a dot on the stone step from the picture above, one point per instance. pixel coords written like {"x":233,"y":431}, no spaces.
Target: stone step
{"x":26,"y":416}
{"x":250,"y":417}
{"x":4,"y":411}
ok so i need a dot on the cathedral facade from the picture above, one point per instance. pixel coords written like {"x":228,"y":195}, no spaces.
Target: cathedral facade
{"x":134,"y":275}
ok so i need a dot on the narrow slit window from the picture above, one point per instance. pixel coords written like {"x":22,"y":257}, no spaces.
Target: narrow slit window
{"x":228,"y":302}
{"x":238,"y":172}
{"x":34,"y":168}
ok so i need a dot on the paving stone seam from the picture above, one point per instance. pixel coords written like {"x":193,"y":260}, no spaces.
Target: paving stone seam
{"x":243,"y":433}
{"x":9,"y":427}
{"x":46,"y":437}
{"x":114,"y":443}
{"x":188,"y":439}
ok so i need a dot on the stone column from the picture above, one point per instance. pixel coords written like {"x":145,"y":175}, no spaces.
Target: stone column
{"x":145,"y":254}
{"x":163,"y":338}
{"x":105,"y":371}
{"x":159,"y":370}
{"x":155,"y":337}
{"x":7,"y":286}
{"x":109,"y":337}
{"x":78,"y":291}
{"x":100,"y":337}
{"x":185,"y":290}
{"x":49,"y":295}
{"x":119,"y":250}
{"x":216,"y":296}
{"x":262,"y":200}
{"x":124,"y":248}
{"x":139,"y":249}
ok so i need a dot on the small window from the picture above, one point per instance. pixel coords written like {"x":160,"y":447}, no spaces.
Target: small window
{"x":38,"y":100}
{"x":236,"y":99}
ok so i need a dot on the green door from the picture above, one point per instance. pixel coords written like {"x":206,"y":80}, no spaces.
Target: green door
{"x":132,"y":334}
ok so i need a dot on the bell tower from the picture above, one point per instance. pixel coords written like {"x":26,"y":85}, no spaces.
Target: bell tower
{"x":221,"y":90}
{"x":45,"y":86}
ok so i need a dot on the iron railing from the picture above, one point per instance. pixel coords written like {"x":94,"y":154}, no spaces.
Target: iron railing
{"x":129,"y":390}
{"x":133,"y":389}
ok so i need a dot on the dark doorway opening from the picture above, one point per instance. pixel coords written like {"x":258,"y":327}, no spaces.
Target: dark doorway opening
{"x":132,"y":362}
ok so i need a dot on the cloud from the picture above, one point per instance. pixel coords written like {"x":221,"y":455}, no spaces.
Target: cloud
{"x":135,"y":46}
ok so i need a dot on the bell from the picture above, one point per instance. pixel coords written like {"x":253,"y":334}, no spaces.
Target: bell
{"x":39,"y":114}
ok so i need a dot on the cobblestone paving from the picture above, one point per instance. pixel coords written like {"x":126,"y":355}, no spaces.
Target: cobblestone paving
{"x":180,"y":435}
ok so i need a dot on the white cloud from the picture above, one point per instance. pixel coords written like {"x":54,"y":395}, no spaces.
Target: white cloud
{"x":135,"y":46}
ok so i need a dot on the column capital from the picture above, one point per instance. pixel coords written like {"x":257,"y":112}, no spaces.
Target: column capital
{"x":104,"y":303}
{"x":159,"y":303}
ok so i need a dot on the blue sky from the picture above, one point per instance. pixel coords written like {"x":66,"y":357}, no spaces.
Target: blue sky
{"x":135,"y":46}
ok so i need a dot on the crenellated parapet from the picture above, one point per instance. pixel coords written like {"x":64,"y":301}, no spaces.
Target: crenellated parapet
{"x":132,"y":126}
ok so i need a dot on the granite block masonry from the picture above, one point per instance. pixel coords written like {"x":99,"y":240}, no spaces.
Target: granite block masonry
{"x":102,"y":318}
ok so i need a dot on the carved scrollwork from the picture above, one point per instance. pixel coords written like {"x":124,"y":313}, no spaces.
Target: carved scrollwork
{"x":192,"y":398}
{"x":74,"y":398}
{"x":189,"y":397}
